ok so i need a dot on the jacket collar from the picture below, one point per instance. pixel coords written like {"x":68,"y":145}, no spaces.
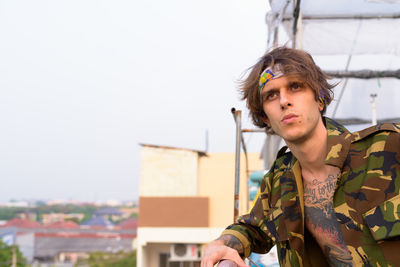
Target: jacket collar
{"x":339,"y":140}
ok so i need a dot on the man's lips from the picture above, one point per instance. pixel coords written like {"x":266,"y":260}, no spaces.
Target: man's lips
{"x":289,"y":118}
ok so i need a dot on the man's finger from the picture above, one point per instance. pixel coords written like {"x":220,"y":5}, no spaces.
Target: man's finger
{"x":231,"y":263}
{"x":234,"y":256}
{"x":227,"y":263}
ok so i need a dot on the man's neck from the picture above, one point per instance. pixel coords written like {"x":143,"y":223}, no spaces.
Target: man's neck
{"x":311,"y":152}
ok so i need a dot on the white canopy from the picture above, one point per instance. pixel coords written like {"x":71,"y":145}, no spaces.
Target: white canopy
{"x":347,"y":36}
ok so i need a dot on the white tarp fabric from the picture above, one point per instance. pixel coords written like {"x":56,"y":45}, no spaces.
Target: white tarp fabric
{"x":356,"y":100}
{"x":333,"y":27}
{"x":340,"y":7}
{"x":366,"y":36}
{"x":343,"y":36}
{"x":384,"y":1}
{"x":270,"y":148}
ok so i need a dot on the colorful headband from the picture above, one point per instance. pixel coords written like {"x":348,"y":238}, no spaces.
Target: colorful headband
{"x":269,"y":74}
{"x":322,"y":97}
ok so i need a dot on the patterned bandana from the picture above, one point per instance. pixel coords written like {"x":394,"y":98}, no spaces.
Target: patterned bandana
{"x":322,"y":97}
{"x":269,"y":74}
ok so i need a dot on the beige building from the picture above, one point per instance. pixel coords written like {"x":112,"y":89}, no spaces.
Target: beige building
{"x":57,"y":217}
{"x":185,"y":201}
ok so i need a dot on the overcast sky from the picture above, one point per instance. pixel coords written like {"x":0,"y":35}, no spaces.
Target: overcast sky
{"x":82,"y":83}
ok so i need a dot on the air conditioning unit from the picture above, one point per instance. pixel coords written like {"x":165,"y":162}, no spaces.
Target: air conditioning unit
{"x":184,"y":252}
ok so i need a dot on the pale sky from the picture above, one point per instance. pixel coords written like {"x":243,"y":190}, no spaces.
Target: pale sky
{"x":82,"y":83}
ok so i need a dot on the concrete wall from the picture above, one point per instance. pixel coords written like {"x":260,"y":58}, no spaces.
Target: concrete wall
{"x":154,"y":240}
{"x":217,"y":182}
{"x":152,"y":253}
{"x":168,"y":172}
{"x":26,"y":242}
{"x":178,"y":172}
{"x":173,"y":212}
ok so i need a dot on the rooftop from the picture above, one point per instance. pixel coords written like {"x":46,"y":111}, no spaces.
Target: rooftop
{"x":201,"y":153}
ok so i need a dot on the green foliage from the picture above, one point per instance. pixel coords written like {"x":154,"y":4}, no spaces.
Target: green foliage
{"x":134,"y":215}
{"x":100,"y":259}
{"x":87,"y":210}
{"x":85,"y":218}
{"x":134,"y":205}
{"x":6,"y":253}
{"x":7,"y":213}
{"x":74,"y":220}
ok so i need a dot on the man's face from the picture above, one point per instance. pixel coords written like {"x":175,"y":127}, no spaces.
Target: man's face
{"x":291,"y":108}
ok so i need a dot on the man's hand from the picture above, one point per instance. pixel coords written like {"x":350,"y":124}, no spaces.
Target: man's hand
{"x":226,"y":247}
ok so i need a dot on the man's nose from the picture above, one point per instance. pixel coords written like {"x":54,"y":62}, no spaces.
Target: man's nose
{"x":284,"y":99}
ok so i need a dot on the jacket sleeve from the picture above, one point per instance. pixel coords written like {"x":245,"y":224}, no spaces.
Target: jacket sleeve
{"x":248,"y":228}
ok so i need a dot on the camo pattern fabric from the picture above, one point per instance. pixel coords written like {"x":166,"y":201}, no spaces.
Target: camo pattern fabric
{"x":366,"y":202}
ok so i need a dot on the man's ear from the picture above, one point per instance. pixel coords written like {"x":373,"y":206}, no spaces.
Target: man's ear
{"x":321,"y":105}
{"x":264,"y":118}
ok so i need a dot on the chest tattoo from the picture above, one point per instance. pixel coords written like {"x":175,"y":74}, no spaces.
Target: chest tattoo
{"x":321,"y":221}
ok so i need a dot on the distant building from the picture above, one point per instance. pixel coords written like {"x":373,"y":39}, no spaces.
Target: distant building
{"x":97,"y":221}
{"x":185,"y":201}
{"x":28,"y":215}
{"x":131,"y":223}
{"x":8,"y":235}
{"x":68,"y":247}
{"x":128,"y":212}
{"x":56,"y":217}
{"x":112,"y":203}
{"x":64,"y":242}
{"x":110,"y":213}
{"x":19,"y":204}
{"x":62,"y":225}
{"x":22,"y":223}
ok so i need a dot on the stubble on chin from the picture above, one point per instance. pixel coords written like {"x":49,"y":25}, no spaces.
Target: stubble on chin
{"x":297,"y":136}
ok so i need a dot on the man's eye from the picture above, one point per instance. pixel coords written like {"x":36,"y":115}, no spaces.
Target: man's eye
{"x":295,"y":86}
{"x":270,"y":96}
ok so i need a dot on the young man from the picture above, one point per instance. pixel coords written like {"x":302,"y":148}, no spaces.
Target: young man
{"x":333,"y":200}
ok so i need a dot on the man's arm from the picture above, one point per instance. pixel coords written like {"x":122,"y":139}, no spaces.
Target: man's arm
{"x":244,"y":236}
{"x":226,"y":247}
{"x":232,"y":242}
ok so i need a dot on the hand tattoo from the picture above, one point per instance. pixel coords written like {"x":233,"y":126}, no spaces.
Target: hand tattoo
{"x":232,"y":242}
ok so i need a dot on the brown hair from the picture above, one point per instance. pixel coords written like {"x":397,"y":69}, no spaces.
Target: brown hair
{"x":292,"y":62}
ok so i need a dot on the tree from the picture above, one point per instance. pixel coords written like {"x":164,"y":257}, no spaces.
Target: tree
{"x":6,"y":254}
{"x":7,"y":213}
{"x":101,"y":259}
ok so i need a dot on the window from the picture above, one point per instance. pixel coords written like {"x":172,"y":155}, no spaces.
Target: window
{"x":163,"y":259}
{"x":184,"y":264}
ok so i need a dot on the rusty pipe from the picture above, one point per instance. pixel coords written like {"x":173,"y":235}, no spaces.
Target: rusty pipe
{"x":237,"y":115}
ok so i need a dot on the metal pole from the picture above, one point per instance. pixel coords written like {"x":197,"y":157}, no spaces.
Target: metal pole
{"x":237,"y":114}
{"x":296,"y":13}
{"x":253,"y":130}
{"x":373,"y":104}
{"x":299,"y":38}
{"x":365,"y":74}
{"x":14,"y":257}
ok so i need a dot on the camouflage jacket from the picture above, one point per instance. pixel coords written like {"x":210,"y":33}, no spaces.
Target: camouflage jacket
{"x":366,"y":202}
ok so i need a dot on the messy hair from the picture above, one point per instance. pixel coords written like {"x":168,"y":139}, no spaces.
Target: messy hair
{"x":293,"y":62}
